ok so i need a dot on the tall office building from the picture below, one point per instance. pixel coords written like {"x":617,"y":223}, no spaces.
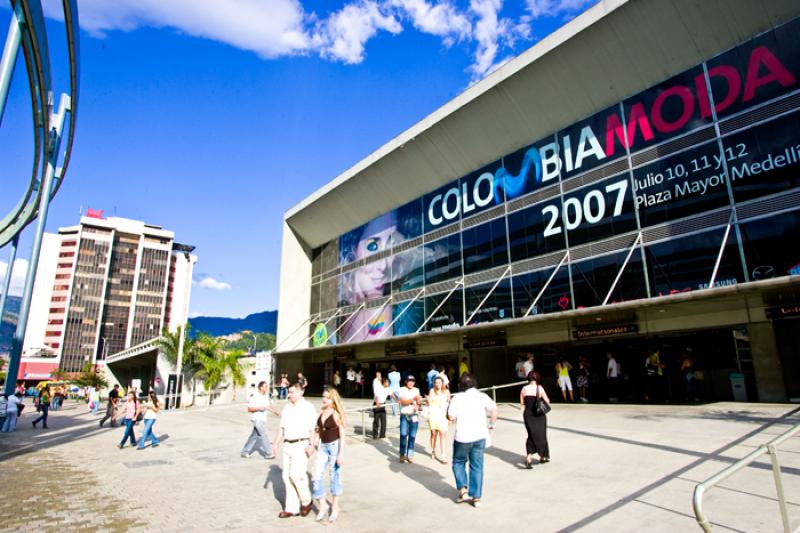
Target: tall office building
{"x":103,"y":286}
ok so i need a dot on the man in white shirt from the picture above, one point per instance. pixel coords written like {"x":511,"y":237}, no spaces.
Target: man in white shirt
{"x":469,"y":410}
{"x":350,"y":385}
{"x":519,"y":368}
{"x":527,"y":366}
{"x":382,"y":393}
{"x":298,"y":419}
{"x":612,"y":374}
{"x":394,"y":385}
{"x":259,"y":440}
{"x":377,"y":383}
{"x":410,"y":402}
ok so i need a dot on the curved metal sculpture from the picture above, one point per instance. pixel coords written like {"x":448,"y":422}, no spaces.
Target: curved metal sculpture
{"x":34,"y":44}
{"x":50,"y":126}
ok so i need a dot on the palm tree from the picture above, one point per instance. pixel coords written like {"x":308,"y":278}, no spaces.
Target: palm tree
{"x":217,"y":364}
{"x":59,"y":375}
{"x":169,"y":343}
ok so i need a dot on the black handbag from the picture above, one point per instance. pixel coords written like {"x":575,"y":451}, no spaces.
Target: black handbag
{"x":540,"y":407}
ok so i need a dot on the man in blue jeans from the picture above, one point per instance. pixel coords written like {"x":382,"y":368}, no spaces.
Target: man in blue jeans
{"x":469,"y":409}
{"x":410,"y":403}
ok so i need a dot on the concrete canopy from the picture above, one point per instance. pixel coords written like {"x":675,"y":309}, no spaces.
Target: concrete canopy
{"x":614,"y":50}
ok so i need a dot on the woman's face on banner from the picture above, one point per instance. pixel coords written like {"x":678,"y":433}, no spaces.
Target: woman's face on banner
{"x":371,"y":278}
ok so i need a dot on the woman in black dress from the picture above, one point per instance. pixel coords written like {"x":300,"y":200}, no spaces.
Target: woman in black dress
{"x":535,"y":425}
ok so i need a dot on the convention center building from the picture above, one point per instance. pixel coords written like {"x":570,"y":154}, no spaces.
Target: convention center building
{"x":629,"y":187}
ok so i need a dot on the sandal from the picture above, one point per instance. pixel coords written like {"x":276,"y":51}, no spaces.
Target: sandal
{"x":462,"y":496}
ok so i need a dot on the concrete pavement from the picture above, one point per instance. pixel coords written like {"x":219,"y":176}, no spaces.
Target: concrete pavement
{"x":614,"y":467}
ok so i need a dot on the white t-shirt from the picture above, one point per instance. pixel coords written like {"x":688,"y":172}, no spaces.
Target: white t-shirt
{"x":382,"y":394}
{"x":519,"y":369}
{"x":408,"y":394}
{"x":528,"y":367}
{"x":351,"y":375}
{"x":445,"y":379}
{"x":259,"y":400}
{"x":377,"y":386}
{"x":298,"y":420}
{"x":12,"y":404}
{"x":613,"y":368}
{"x":470,"y":409}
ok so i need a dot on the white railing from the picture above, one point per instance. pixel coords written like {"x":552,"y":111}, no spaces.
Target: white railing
{"x":770,"y":448}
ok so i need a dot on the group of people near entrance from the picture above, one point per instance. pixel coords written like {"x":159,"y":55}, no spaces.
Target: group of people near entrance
{"x":307,"y":435}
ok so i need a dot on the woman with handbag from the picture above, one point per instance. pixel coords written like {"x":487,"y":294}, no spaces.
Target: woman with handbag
{"x":535,"y":406}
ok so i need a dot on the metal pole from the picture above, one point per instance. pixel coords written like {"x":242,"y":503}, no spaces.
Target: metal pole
{"x":52,"y":147}
{"x":364,"y":425}
{"x":406,"y":308}
{"x":7,"y":281}
{"x":721,"y":251}
{"x":182,"y":340}
{"x":374,"y":317}
{"x":496,"y":283}
{"x":458,"y":284}
{"x":622,"y":269}
{"x":494,"y":393}
{"x":541,"y":292}
{"x":776,"y":472}
{"x":10,"y":52}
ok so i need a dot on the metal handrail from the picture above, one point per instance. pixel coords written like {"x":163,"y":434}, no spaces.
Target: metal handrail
{"x":768,"y":448}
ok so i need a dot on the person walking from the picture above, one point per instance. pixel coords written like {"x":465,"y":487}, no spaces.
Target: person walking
{"x":564,"y":382}
{"x":583,"y":379}
{"x":283,"y":387}
{"x":438,"y":400}
{"x":535,"y":425}
{"x":382,"y":394}
{"x":337,"y":380}
{"x":612,"y":377}
{"x":298,"y":419}
{"x":410,"y":402}
{"x":350,"y":385}
{"x":12,"y":412}
{"x":430,"y":376}
{"x":259,"y":440}
{"x":330,"y":439}
{"x":95,"y":400}
{"x":394,"y":386}
{"x":302,"y":381}
{"x":111,"y":406}
{"x":131,"y":412}
{"x":151,"y":409}
{"x":469,"y":410}
{"x":44,"y":407}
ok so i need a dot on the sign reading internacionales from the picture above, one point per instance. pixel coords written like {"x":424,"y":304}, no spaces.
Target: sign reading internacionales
{"x":724,"y":134}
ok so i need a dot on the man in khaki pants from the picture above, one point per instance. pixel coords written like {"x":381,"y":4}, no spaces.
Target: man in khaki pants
{"x":298,"y":419}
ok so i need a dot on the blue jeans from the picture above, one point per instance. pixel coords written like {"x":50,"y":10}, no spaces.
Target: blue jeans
{"x":326,"y":458}
{"x":10,"y":423}
{"x":128,"y":433}
{"x":43,"y":418}
{"x":408,"y":433}
{"x":148,"y":433}
{"x":472,"y":452}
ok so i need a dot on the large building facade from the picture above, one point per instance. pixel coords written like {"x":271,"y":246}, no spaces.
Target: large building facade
{"x":630,"y":184}
{"x":103,"y":286}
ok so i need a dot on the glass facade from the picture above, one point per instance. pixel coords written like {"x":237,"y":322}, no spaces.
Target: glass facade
{"x":693,"y":180}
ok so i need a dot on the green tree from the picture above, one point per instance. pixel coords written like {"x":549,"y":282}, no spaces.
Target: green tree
{"x":59,"y":375}
{"x":169,"y":343}
{"x":91,"y":377}
{"x":219,"y":365}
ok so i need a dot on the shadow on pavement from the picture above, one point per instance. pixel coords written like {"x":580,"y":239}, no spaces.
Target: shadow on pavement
{"x":429,"y":478}
{"x":275,"y":479}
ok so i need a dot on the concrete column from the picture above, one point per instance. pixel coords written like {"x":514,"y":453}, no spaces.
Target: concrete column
{"x":767,"y":363}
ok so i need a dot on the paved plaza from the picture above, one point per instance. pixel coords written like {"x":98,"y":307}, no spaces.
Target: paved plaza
{"x":614,"y":468}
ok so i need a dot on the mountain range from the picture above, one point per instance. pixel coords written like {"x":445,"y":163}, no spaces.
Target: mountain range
{"x":263,"y":322}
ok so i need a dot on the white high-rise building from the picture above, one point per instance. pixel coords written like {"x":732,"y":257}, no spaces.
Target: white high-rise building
{"x":101,"y":287}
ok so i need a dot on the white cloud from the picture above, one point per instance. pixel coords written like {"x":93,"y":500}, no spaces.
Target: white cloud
{"x":551,"y":8}
{"x":492,"y":33}
{"x":277,"y":28}
{"x":18,"y":274}
{"x":441,"y":19}
{"x":207,"y":282}
{"x":269,"y":28}
{"x":343,"y":35}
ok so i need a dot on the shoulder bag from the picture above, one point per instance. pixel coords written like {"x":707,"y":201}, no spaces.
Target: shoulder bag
{"x":540,"y":407}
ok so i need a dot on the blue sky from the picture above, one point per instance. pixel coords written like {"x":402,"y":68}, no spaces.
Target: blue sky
{"x":212,"y":118}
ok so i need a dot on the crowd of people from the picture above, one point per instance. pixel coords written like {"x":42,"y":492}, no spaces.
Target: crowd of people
{"x":305,"y":434}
